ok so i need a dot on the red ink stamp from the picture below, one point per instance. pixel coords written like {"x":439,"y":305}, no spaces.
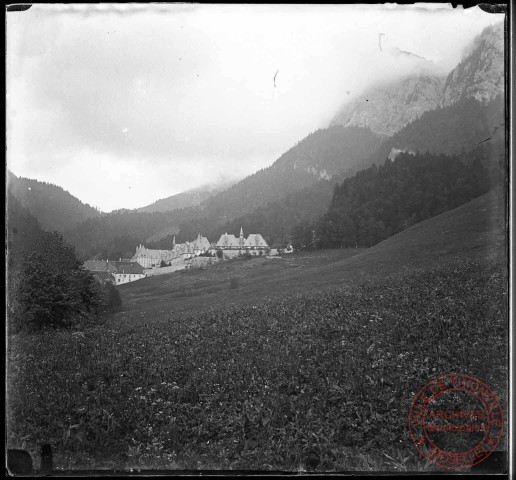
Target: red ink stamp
{"x":456,"y":421}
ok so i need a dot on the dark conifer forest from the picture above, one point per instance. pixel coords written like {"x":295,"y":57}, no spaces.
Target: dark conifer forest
{"x":381,"y":201}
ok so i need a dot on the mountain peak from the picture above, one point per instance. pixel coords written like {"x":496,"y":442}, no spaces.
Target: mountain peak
{"x":481,"y":72}
{"x":389,"y":107}
{"x":386,"y":109}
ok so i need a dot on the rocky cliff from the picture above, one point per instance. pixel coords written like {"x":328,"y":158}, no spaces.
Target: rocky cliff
{"x":387,"y":109}
{"x":481,"y":73}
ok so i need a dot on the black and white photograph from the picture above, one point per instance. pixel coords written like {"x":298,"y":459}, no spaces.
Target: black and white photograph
{"x":257,"y":238}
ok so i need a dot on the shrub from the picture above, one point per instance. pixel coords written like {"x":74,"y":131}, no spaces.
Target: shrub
{"x":111,"y":298}
{"x":53,"y":289}
{"x":220,"y":254}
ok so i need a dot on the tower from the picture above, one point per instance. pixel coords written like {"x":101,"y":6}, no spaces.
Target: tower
{"x":241,"y":237}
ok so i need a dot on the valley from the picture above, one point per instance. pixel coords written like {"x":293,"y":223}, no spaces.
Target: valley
{"x":474,"y":230}
{"x":372,"y":256}
{"x":225,"y":375}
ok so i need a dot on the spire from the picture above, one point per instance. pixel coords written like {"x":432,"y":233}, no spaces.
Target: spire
{"x":241,"y":232}
{"x":174,"y":241}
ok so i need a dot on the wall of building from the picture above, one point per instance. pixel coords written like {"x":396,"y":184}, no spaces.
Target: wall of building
{"x":121,"y":278}
{"x":163,"y":270}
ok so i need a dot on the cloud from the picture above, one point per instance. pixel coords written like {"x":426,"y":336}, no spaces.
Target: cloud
{"x":169,"y":88}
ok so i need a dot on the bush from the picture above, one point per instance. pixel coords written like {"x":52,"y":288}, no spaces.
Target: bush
{"x":52,"y":287}
{"x":111,"y":299}
{"x":220,"y":254}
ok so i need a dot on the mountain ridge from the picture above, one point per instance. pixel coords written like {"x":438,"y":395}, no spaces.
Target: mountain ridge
{"x":389,"y":108}
{"x":189,"y":198}
{"x":480,"y":74}
{"x":53,"y":206}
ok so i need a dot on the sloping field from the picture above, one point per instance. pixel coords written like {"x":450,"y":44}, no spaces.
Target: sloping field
{"x":473,"y":230}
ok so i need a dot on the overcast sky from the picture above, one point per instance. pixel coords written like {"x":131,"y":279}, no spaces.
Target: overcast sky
{"x":123,"y":105}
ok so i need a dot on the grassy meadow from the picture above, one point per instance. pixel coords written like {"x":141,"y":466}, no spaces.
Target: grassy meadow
{"x":305,"y":363}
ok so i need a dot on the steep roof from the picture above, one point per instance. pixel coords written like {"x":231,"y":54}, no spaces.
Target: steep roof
{"x":226,"y":241}
{"x":141,"y":251}
{"x":255,"y":240}
{"x":200,"y":243}
{"x":99,"y":266}
{"x":128,"y":267}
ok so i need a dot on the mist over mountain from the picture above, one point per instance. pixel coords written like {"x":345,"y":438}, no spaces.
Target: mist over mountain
{"x":454,"y":130}
{"x":190,"y":198}
{"x":480,"y":74}
{"x":417,"y":114}
{"x":320,"y":156}
{"x":449,"y":130}
{"x":387,"y":108}
{"x":473,"y":122}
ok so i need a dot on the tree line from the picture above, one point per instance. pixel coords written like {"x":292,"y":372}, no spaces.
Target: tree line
{"x":381,"y":201}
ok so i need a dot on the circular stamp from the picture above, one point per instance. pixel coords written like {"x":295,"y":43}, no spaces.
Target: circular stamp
{"x":456,"y":421}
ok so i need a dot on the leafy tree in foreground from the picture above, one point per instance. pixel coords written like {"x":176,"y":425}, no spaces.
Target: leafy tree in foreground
{"x":53,"y":289}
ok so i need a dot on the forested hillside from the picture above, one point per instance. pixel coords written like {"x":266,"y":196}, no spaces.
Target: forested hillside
{"x":22,"y":228}
{"x":116,"y":234}
{"x":181,"y":200}
{"x":320,"y":156}
{"x":275,"y":220}
{"x":457,"y":129}
{"x":289,"y":193}
{"x":381,"y":201}
{"x":450,"y":130}
{"x":54,"y":207}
